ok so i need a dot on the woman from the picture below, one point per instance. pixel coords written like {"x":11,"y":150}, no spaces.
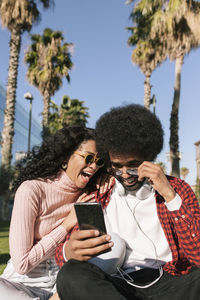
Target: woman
{"x":50,"y":181}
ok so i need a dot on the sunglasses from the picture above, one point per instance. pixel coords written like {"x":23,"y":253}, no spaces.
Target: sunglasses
{"x":91,"y":158}
{"x":117,"y":172}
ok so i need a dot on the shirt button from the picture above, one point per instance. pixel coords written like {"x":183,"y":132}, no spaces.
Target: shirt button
{"x":176,"y":219}
{"x":183,"y":216}
{"x":193,"y":235}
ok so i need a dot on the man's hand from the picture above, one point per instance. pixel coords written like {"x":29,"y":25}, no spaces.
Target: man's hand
{"x":85,"y":244}
{"x":156,"y":177}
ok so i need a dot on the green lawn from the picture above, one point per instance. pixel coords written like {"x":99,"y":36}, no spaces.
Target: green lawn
{"x":4,"y":248}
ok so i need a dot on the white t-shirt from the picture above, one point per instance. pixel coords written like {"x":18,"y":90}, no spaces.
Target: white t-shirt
{"x":133,"y":216}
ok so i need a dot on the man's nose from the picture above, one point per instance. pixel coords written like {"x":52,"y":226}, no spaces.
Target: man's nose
{"x":124,"y":174}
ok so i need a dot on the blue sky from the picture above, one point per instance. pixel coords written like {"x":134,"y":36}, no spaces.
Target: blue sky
{"x":103,"y":75}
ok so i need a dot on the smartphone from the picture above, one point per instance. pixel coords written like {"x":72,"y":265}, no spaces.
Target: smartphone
{"x":90,"y":216}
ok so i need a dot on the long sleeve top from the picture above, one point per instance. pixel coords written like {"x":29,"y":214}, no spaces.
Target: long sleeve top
{"x":40,"y":207}
{"x":181,"y":228}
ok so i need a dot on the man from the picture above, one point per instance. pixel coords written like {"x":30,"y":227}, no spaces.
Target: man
{"x":157,"y":216}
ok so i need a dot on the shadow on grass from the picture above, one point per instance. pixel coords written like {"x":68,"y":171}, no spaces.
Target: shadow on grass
{"x":4,"y":236}
{"x":4,"y":258}
{"x":4,"y":229}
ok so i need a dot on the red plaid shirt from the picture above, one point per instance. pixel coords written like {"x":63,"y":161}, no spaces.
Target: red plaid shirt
{"x":181,"y":228}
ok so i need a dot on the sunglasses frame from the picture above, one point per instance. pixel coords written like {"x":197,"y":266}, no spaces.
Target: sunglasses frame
{"x":94,"y":159}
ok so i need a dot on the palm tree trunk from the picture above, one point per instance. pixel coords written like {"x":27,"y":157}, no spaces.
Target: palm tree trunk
{"x":174,"y":121}
{"x":9,"y":114}
{"x":46,"y":101}
{"x":147,"y":90}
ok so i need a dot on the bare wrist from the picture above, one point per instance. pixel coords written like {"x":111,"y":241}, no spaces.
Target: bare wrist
{"x":170,"y":196}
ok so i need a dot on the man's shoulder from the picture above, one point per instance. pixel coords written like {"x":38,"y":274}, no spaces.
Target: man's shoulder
{"x":178,"y":183}
{"x":174,"y":180}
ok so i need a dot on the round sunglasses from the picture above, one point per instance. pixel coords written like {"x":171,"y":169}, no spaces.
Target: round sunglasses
{"x":118,"y":172}
{"x":91,"y":158}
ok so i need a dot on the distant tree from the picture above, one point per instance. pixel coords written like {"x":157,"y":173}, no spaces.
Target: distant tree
{"x":17,"y":16}
{"x":49,"y":60}
{"x":70,"y":112}
{"x":162,"y":165}
{"x":184,"y":172}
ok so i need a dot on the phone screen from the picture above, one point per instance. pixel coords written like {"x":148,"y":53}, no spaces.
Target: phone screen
{"x":90,"y":216}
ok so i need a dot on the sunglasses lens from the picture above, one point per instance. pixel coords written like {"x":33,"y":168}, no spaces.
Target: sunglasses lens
{"x":89,"y":159}
{"x":133,"y":172}
{"x":99,"y":162}
{"x":118,"y":172}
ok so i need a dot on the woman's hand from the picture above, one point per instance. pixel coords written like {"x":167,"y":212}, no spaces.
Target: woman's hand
{"x":104,"y":182}
{"x":71,"y":220}
{"x":85,"y":244}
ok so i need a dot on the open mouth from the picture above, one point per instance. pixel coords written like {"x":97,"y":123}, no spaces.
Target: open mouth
{"x":86,"y":176}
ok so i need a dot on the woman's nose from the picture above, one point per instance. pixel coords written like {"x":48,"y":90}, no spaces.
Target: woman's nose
{"x":93,"y":165}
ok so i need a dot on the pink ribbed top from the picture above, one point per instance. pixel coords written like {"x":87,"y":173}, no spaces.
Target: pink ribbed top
{"x":39,"y":209}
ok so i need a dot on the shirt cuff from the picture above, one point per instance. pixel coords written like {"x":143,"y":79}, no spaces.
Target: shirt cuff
{"x":174,"y":204}
{"x":64,"y":256}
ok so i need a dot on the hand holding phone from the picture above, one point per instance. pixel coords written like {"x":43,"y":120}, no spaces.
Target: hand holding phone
{"x":85,"y":244}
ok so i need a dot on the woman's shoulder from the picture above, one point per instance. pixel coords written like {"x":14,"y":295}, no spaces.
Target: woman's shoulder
{"x":33,"y":186}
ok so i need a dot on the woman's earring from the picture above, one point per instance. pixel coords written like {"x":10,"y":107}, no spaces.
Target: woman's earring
{"x":64,"y":165}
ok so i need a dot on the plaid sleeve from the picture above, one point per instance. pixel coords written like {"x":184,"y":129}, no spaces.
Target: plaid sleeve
{"x":186,"y":222}
{"x":59,"y":250}
{"x":59,"y":255}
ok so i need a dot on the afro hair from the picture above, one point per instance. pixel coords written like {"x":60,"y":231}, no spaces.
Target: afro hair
{"x":130,"y":129}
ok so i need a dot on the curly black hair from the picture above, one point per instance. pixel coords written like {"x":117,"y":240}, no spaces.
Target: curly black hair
{"x":130,"y":129}
{"x":46,"y":161}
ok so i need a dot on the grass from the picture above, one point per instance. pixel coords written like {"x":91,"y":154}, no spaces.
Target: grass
{"x":4,"y":247}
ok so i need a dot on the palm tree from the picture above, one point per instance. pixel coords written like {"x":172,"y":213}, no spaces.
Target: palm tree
{"x":49,"y":60}
{"x":17,"y":16}
{"x":175,"y":24}
{"x":70,"y":112}
{"x":172,"y":27}
{"x":148,"y":53}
